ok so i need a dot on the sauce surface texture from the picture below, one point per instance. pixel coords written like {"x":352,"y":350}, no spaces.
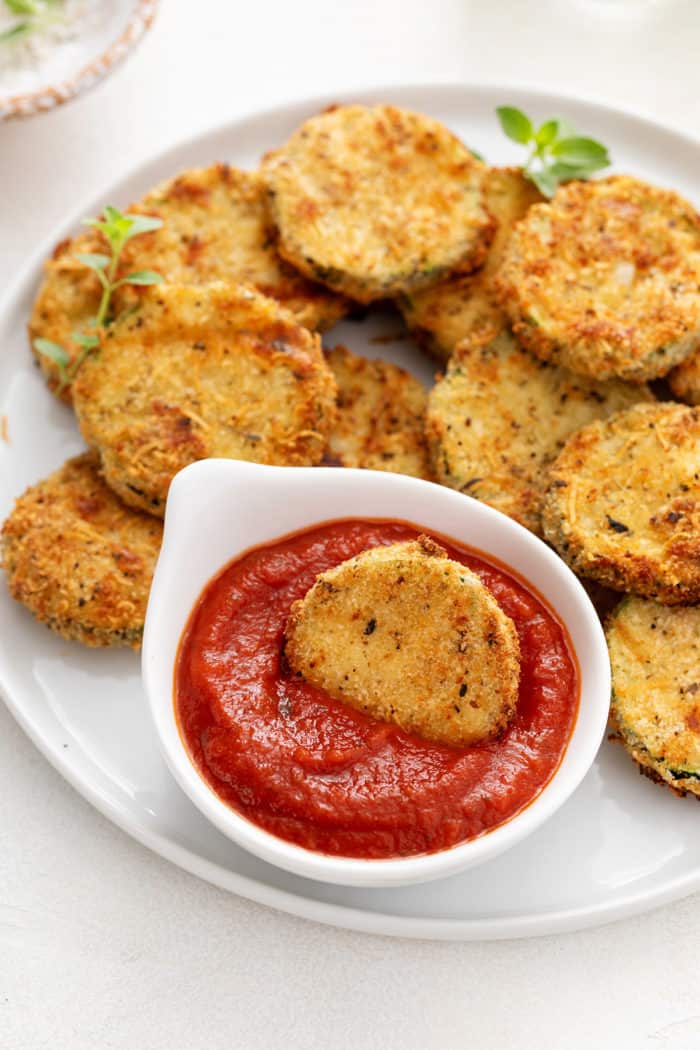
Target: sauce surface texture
{"x":317,"y":773}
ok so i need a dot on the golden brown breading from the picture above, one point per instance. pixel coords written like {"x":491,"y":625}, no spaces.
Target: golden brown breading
{"x":195,"y":372}
{"x":375,"y":200}
{"x":499,"y":417}
{"x":604,"y":279}
{"x":684,"y":380}
{"x":655,"y":659}
{"x":623,"y":503}
{"x":381,"y":416}
{"x":68,"y":298}
{"x":362,"y":634}
{"x":466,"y":306}
{"x":79,"y":559}
{"x":217,"y":227}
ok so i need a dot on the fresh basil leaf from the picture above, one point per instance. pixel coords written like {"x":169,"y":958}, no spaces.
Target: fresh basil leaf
{"x":142,"y":224}
{"x":565,"y":129}
{"x":93,"y":261}
{"x":581,"y":151}
{"x":515,"y":124}
{"x":142,"y":277}
{"x":565,"y":172}
{"x":545,"y":182}
{"x":53,"y":351}
{"x":547,"y":132}
{"x":583,"y":171}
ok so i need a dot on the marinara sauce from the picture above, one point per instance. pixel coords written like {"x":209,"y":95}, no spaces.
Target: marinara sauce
{"x":317,"y":773}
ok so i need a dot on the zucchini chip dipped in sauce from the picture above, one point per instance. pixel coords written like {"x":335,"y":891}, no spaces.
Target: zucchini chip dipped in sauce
{"x":655,"y":657}
{"x":409,"y":636}
{"x":302,"y":761}
{"x":375,"y":200}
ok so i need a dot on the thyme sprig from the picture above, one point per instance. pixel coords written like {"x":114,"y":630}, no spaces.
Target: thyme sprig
{"x":118,"y":228}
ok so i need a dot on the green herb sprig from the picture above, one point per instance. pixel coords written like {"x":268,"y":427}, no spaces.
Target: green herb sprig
{"x":557,"y":152}
{"x":118,"y":229}
{"x":33,"y":15}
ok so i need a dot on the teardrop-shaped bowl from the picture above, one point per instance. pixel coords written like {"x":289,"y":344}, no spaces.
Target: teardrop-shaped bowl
{"x":217,"y":509}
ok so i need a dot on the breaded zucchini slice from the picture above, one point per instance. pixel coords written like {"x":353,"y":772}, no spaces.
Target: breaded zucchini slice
{"x":78,"y":559}
{"x":499,"y":417}
{"x":195,"y":372}
{"x":684,"y":380}
{"x":381,"y":416}
{"x":466,"y":305}
{"x":375,"y":200}
{"x":67,"y":300}
{"x":655,"y":659}
{"x":409,"y":636}
{"x":217,"y":227}
{"x":623,"y":503}
{"x":603,"y":279}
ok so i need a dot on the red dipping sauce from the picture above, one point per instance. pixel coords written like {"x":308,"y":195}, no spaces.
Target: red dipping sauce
{"x":324,"y":776}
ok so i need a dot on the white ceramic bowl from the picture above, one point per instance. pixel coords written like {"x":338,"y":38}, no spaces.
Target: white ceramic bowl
{"x":219,"y":508}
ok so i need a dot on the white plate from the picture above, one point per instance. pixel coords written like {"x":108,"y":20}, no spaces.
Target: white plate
{"x":620,"y":845}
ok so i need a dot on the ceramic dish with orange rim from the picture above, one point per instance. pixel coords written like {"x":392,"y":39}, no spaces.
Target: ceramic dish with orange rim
{"x":67,"y":47}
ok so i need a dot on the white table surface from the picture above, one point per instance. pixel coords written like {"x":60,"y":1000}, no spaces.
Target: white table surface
{"x":104,"y":945}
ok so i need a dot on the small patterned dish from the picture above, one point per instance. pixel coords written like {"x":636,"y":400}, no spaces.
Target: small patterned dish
{"x":63,"y":47}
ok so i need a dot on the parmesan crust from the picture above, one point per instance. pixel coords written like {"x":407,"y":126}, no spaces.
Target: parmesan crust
{"x":466,"y":306}
{"x":409,"y":636}
{"x":499,"y":417}
{"x":655,"y":659}
{"x":67,"y":300}
{"x":381,"y":416}
{"x":604,"y":279}
{"x":78,"y":559}
{"x":217,"y":227}
{"x":623,"y":503}
{"x":375,"y":200}
{"x":195,"y":372}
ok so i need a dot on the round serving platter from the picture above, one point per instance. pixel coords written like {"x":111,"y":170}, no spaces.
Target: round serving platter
{"x":620,"y":846}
